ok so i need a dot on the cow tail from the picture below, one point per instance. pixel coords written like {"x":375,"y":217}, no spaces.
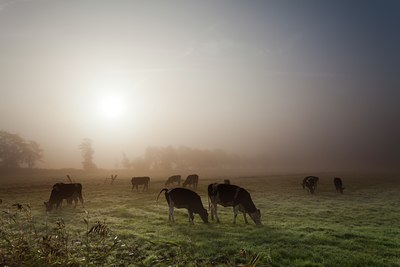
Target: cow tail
{"x":164,"y":189}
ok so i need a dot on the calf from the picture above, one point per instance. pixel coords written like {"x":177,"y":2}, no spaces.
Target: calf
{"x":173,"y":179}
{"x":234,"y":196}
{"x":70,"y":192}
{"x":136,"y":181}
{"x":338,"y":184}
{"x":184,"y":198}
{"x":191,"y":180}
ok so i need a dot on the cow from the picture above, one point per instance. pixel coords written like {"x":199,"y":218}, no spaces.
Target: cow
{"x":227,"y":181}
{"x":229,"y":195}
{"x":136,"y":181}
{"x":310,"y":185}
{"x":307,"y":183}
{"x":338,"y":184}
{"x":191,"y":180}
{"x":70,"y":192}
{"x":184,"y":198}
{"x":173,"y":179}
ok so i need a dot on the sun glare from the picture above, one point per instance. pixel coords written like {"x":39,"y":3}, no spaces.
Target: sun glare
{"x":111,"y":106}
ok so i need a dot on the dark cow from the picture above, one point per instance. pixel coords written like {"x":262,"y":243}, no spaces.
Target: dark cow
{"x":191,"y":180}
{"x":310,"y":183}
{"x":184,"y":198}
{"x":338,"y":184}
{"x":173,"y":179}
{"x":234,"y":196}
{"x":136,"y":181}
{"x":70,"y":192}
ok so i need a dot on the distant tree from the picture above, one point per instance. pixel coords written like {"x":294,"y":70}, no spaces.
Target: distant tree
{"x":140,"y":164}
{"x":87,"y":154}
{"x":33,"y":153}
{"x":16,"y":152}
{"x":126,"y":163}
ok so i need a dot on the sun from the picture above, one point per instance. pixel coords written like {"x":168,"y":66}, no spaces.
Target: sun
{"x":111,"y":106}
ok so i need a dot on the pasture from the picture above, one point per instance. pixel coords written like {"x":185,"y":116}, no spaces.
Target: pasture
{"x":120,"y":227}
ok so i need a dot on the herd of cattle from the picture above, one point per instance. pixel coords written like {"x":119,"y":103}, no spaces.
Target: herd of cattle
{"x":224,"y":194}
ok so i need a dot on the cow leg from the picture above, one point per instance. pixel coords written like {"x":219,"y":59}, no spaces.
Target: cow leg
{"x":235,"y":213}
{"x":191,"y":217}
{"x":171,"y":211}
{"x":58,"y":204}
{"x":245,"y":218}
{"x":212,"y":211}
{"x":214,"y":208}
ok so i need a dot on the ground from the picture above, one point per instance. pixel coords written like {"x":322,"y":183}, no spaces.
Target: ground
{"x":358,"y":228}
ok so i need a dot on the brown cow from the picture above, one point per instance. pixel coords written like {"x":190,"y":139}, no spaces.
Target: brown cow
{"x":136,"y":181}
{"x":191,"y":180}
{"x":70,"y":192}
{"x":338,"y":184}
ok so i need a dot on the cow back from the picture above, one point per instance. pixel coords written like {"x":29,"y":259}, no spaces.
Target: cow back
{"x":140,"y":180}
{"x":62,"y":191}
{"x":225,"y":192}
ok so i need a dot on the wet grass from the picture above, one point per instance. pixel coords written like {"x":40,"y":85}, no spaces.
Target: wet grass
{"x":359,"y":228}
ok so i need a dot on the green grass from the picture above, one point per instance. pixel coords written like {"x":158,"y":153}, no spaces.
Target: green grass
{"x":359,"y":228}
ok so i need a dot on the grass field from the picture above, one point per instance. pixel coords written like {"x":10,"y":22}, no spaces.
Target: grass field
{"x":118,"y":227}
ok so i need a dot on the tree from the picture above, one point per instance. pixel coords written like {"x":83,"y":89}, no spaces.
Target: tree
{"x":16,"y":152}
{"x":87,"y":154}
{"x":126,"y":163}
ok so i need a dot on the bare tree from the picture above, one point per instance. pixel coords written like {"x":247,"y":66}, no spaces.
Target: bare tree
{"x":87,"y":154}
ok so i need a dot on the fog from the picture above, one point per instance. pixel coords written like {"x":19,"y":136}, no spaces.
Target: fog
{"x":310,"y":86}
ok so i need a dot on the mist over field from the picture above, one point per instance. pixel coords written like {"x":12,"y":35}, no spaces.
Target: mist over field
{"x":285,"y":86}
{"x":125,"y":125}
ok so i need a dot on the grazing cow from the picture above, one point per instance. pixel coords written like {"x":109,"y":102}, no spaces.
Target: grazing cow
{"x":191,"y":180}
{"x":234,"y":196}
{"x":184,"y":198}
{"x":60,"y":191}
{"x":136,"y":181}
{"x":173,"y":179}
{"x":338,"y":184}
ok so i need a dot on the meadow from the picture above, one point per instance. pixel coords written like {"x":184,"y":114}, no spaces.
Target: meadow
{"x":120,"y":227}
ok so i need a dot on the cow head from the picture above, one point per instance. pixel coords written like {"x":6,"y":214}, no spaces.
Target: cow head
{"x":256,"y":216}
{"x":204,"y":215}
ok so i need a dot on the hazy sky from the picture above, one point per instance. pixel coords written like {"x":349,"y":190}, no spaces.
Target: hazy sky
{"x":313,"y":83}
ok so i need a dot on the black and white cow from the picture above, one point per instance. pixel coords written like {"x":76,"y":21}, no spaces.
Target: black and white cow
{"x":70,"y":192}
{"x":191,"y":180}
{"x":136,"y":181}
{"x":184,"y":198}
{"x":229,"y":195}
{"x":310,"y":183}
{"x":173,"y":179}
{"x":338,"y":184}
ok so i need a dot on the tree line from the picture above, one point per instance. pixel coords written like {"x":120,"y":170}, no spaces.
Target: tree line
{"x":185,"y":158}
{"x":17,"y":152}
